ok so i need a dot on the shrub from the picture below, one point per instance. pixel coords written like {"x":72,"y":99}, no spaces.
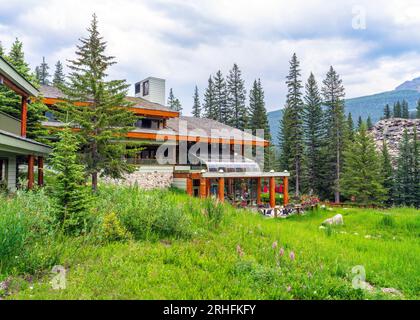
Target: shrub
{"x":214,"y":211}
{"x":112,"y":230}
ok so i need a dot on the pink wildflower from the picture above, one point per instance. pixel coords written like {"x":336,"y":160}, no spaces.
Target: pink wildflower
{"x":239,"y":250}
{"x":275,"y":245}
{"x":292,"y":256}
{"x":289,"y":288}
{"x":281,"y":253}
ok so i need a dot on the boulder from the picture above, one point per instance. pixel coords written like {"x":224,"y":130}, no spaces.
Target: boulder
{"x":336,"y":220}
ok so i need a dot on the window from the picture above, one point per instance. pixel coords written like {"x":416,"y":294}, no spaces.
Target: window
{"x":145,"y":88}
{"x":137,"y":88}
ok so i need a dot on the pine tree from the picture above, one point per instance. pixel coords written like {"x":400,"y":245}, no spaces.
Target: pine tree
{"x":1,"y":49}
{"x":69,"y":191}
{"x":210,"y":111}
{"x":333,"y":92}
{"x":350,"y":127}
{"x":236,"y":98}
{"x":387,"y":112}
{"x":104,"y":123}
{"x":362,"y":177}
{"x":397,"y":110}
{"x":387,"y":173}
{"x":359,"y":123}
{"x":10,"y":102}
{"x":174,"y":102}
{"x":314,"y":134}
{"x":416,"y":169}
{"x":224,"y":115}
{"x":41,"y":73}
{"x":404,"y":186}
{"x":418,"y":110}
{"x":292,"y":133}
{"x":369,"y":123}
{"x":405,"y":113}
{"x":59,"y":76}
{"x":196,"y":110}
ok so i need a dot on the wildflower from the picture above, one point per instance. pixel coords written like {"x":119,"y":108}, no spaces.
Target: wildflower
{"x":275,"y":245}
{"x":289,"y":288}
{"x":239,"y":250}
{"x":310,"y":275}
{"x":292,"y":256}
{"x":281,"y":253}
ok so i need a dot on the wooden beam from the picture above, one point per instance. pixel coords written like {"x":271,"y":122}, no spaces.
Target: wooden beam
{"x":31,"y":160}
{"x":189,"y":186}
{"x":40,"y":171}
{"x":24,"y":116}
{"x":259,"y":191}
{"x":221,"y":190}
{"x":208,"y":186}
{"x":203,"y":188}
{"x":272,"y":192}
{"x":286,"y":190}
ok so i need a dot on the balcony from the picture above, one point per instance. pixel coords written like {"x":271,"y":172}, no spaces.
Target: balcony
{"x":9,"y":124}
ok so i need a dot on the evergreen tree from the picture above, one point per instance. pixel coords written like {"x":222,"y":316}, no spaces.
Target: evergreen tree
{"x":69,"y":191}
{"x":416,"y":169}
{"x":59,"y":76}
{"x":397,"y":110}
{"x":292,"y":132}
{"x":196,"y":110}
{"x":362,"y":177}
{"x":314,"y":134}
{"x":405,"y":113}
{"x":1,"y":49}
{"x":41,"y":73}
{"x":333,"y":92}
{"x":236,"y":98}
{"x":369,"y":123}
{"x":387,"y":112}
{"x":387,"y":173}
{"x":404,"y":176}
{"x":174,"y":102}
{"x":359,"y":123}
{"x":350,"y":127}
{"x":210,"y":111}
{"x":224,"y":115}
{"x":11,"y":103}
{"x":418,"y":110}
{"x":105,"y":122}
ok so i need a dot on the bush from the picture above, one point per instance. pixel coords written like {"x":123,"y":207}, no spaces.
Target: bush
{"x":214,"y":211}
{"x":112,"y":230}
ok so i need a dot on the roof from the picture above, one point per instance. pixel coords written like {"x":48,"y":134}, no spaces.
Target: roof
{"x":16,"y":79}
{"x":139,"y":103}
{"x":14,"y":143}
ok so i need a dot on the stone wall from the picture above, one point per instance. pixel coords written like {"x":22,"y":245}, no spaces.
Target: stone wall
{"x":144,"y":180}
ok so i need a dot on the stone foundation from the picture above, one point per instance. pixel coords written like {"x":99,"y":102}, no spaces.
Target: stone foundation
{"x":144,"y":180}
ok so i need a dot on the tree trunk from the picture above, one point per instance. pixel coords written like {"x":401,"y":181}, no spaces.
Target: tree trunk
{"x":297,"y":184}
{"x":94,"y":181}
{"x":337,"y":183}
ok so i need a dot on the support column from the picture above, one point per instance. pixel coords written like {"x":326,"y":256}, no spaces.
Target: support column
{"x":286,"y":190}
{"x":23,"y":118}
{"x":259,"y":191}
{"x":31,"y":160}
{"x":40,"y":171}
{"x":189,"y":186}
{"x":208,"y":186}
{"x":203,"y":188}
{"x":221,"y":189}
{"x":272,"y":192}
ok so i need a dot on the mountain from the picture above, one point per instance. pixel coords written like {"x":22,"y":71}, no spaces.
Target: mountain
{"x":372,"y":105}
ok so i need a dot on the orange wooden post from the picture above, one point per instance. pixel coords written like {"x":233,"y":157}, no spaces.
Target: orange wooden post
{"x":40,"y":171}
{"x":189,"y":186}
{"x":31,"y":160}
{"x":259,"y":191}
{"x":203,"y":188}
{"x":208,"y":186}
{"x":23,"y":117}
{"x":272,"y":192}
{"x":286,"y":190}
{"x":221,"y":189}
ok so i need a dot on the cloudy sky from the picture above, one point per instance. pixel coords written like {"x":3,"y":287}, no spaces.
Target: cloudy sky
{"x":374,"y":45}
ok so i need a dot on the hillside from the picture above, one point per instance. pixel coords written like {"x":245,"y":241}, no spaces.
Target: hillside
{"x":372,"y":105}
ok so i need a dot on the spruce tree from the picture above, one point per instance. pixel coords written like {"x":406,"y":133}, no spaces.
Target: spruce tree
{"x":224,"y":114}
{"x":369,"y":123}
{"x":41,"y":73}
{"x":333,"y":92}
{"x":405,"y":113}
{"x":397,"y":110}
{"x":174,"y":102}
{"x":105,"y":122}
{"x":362,"y":176}
{"x":1,"y":49}
{"x":313,"y":119}
{"x":418,"y":110}
{"x":210,"y":111}
{"x":359,"y":122}
{"x":59,"y":76}
{"x":387,"y":173}
{"x":387,"y":112}
{"x":350,"y":127}
{"x":196,"y":110}
{"x":236,"y":98}
{"x":68,"y":189}
{"x":404,"y":186}
{"x":416,"y":169}
{"x":292,"y":132}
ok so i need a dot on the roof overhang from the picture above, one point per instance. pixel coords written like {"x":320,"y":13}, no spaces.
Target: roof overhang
{"x":15,"y":81}
{"x":214,"y":175}
{"x":18,"y":145}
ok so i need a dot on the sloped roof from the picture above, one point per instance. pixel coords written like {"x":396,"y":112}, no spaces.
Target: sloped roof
{"x":10,"y":73}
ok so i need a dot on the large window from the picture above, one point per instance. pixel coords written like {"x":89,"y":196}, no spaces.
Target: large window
{"x":137,"y":88}
{"x":145,"y":88}
{"x":148,"y":124}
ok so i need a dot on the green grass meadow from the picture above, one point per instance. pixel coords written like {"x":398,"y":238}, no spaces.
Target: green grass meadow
{"x":178,"y":247}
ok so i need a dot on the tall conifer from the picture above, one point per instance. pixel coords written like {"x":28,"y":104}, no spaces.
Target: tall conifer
{"x":236,"y":95}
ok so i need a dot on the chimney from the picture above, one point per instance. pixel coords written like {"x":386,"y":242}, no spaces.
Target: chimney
{"x":151,"y":89}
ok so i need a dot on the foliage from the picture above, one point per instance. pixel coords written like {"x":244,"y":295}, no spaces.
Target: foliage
{"x":214,"y":211}
{"x":41,"y":73}
{"x":210,"y":111}
{"x":59,"y":76}
{"x":236,"y":95}
{"x":174,"y":102}
{"x":112,"y":230}
{"x":196,"y":110}
{"x":223,"y":113}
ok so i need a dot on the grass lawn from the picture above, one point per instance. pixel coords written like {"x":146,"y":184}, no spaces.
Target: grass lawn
{"x":240,"y":258}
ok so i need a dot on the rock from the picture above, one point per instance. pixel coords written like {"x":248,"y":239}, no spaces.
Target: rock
{"x":337,"y":220}
{"x":392,"y":291}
